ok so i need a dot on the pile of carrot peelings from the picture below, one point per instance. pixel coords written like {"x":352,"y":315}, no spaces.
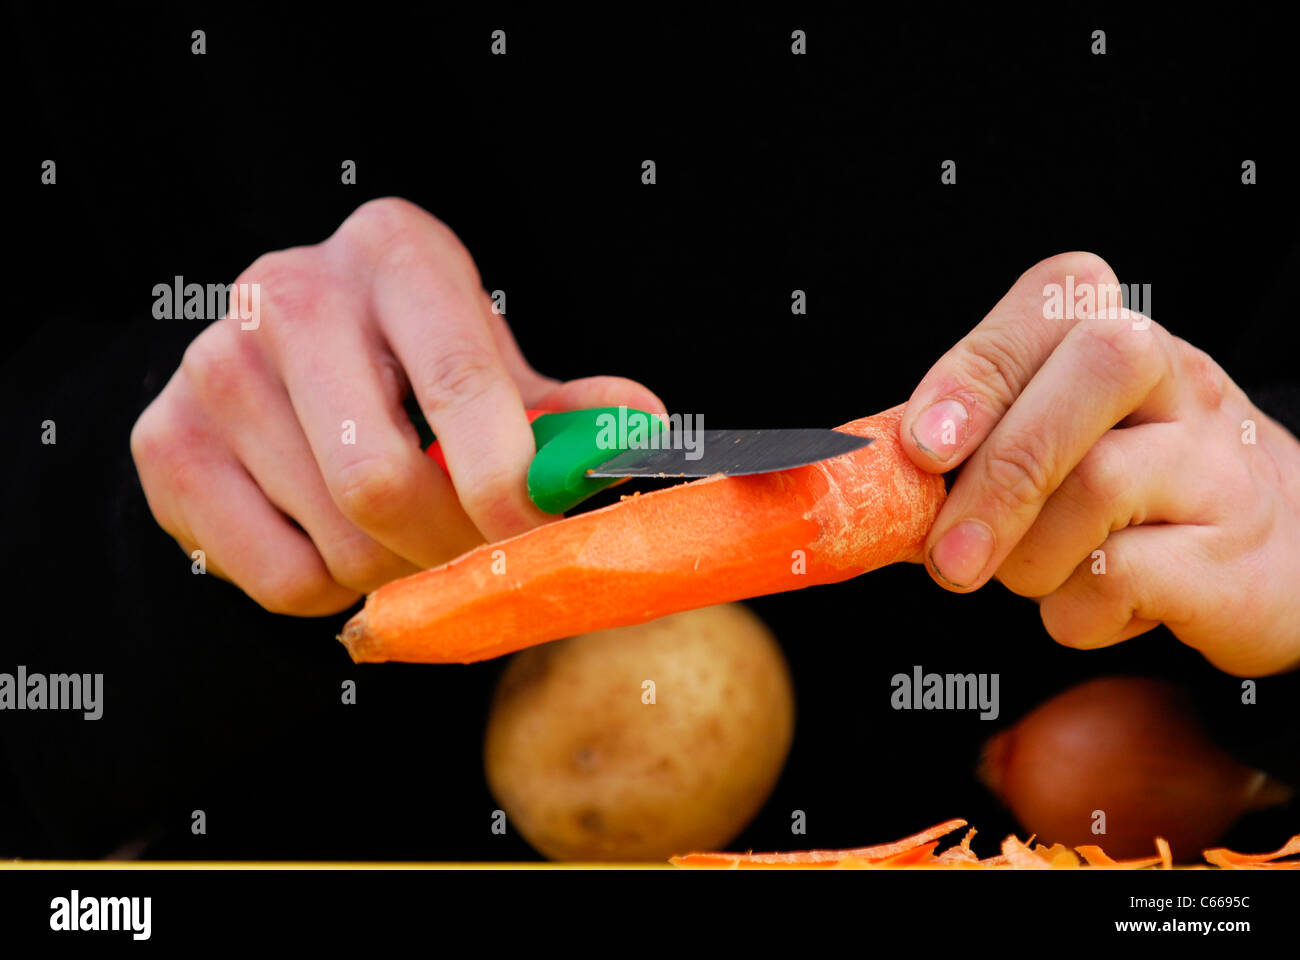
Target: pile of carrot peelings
{"x":919,"y":850}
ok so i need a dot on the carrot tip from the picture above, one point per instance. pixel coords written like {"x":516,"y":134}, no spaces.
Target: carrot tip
{"x":356,"y":638}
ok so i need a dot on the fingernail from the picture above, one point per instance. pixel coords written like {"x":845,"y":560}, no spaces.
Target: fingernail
{"x":962,"y":553}
{"x":941,"y":428}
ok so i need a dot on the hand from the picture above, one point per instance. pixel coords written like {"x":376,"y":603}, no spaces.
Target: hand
{"x":1110,"y":470}
{"x":244,"y":453}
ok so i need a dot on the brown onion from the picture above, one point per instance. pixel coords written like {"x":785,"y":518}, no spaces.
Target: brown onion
{"x":1131,"y":749}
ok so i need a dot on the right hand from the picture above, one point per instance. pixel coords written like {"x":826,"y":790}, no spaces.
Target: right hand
{"x":242,"y":455}
{"x":1113,"y":472}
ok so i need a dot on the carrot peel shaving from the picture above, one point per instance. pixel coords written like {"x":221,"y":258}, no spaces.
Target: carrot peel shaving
{"x":1094,"y":856}
{"x":1228,"y":860}
{"x":821,"y":858}
{"x":919,"y":849}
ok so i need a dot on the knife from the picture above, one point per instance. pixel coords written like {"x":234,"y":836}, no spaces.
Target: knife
{"x":581,"y":452}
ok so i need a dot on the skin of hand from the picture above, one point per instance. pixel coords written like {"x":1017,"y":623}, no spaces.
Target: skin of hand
{"x":1107,"y":433}
{"x":243,"y":454}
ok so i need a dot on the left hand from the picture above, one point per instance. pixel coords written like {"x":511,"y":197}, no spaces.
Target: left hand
{"x":1107,"y":433}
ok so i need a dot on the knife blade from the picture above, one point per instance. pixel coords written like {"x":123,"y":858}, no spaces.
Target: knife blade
{"x":735,"y":453}
{"x":579,"y":454}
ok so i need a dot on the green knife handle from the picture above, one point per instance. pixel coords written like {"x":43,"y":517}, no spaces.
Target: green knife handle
{"x":569,"y":444}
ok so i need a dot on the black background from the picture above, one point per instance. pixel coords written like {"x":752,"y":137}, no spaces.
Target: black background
{"x":775,"y":172}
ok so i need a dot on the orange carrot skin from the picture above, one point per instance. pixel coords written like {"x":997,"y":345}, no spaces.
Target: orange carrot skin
{"x":1230,"y":860}
{"x":900,"y":852}
{"x":918,"y":851}
{"x":1097,"y":857}
{"x":707,"y":542}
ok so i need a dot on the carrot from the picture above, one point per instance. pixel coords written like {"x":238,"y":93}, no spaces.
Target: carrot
{"x":918,"y":851}
{"x":1228,"y":860}
{"x":922,"y":856}
{"x":961,"y":854}
{"x":896,"y":853}
{"x":693,"y":545}
{"x":1166,"y":855}
{"x":1018,"y":855}
{"x":1097,"y":857}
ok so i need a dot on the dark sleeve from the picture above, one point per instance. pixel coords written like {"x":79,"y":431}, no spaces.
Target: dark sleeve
{"x":195,"y":674}
{"x":206,"y":694}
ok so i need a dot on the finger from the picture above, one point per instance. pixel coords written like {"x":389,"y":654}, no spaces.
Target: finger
{"x":434,"y":323}
{"x":346,"y":391}
{"x":259,"y":425}
{"x":601,"y":392}
{"x":1129,"y":477}
{"x":210,"y":565}
{"x":165,"y":435}
{"x":1140,"y":583}
{"x":286,"y":472}
{"x":962,"y":397}
{"x":252,"y":543}
{"x":1106,"y":369}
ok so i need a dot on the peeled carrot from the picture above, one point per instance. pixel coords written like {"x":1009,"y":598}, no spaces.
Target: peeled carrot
{"x":710,"y":541}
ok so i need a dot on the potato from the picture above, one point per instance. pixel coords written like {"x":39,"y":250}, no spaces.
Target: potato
{"x":587,"y":769}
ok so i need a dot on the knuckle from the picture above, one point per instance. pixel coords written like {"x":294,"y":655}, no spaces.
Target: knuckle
{"x":150,"y":443}
{"x":295,"y":592}
{"x":396,"y":236}
{"x":1071,"y":615}
{"x":1121,"y":582}
{"x":187,"y":478}
{"x":290,"y":281}
{"x":384,"y":217}
{"x":214,"y":368}
{"x":375,"y":492}
{"x":490,"y":501}
{"x":359,"y":563}
{"x":1208,"y":381}
{"x":436,"y":257}
{"x":153,"y":451}
{"x":172,"y":450}
{"x":1018,"y":470}
{"x":992,"y":366}
{"x":1059,"y":625}
{"x":1087,"y":266}
{"x":458,"y":377}
{"x":1083,"y":266}
{"x":1118,"y":352}
{"x":1100,"y":476}
{"x":403,"y":254}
